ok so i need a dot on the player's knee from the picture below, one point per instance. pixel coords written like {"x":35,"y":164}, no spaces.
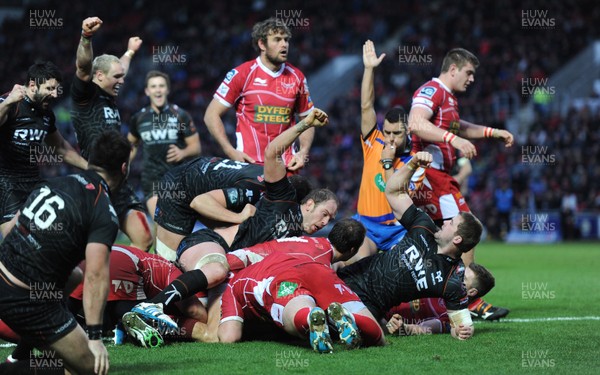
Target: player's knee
{"x":215,"y":268}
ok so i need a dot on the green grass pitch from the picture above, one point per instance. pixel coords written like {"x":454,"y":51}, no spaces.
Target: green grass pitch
{"x":543,"y":285}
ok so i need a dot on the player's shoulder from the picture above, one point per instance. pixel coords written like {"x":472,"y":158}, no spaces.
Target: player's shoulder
{"x":429,"y":89}
{"x":290,"y":69}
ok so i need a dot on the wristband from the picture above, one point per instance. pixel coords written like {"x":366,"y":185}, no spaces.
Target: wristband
{"x":86,"y":35}
{"x":387,"y":163}
{"x":130,"y":53}
{"x":448,"y":137}
{"x":488,"y":132}
{"x":409,"y":166}
{"x":94,"y":332}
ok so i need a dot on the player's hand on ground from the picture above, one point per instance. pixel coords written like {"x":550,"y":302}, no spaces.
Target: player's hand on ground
{"x":370,"y":59}
{"x":316,"y":118}
{"x":504,"y":135}
{"x":464,"y":332}
{"x":465,"y":147}
{"x":101,"y":363}
{"x":16,"y":95}
{"x":395,"y":324}
{"x":298,"y":161}
{"x":238,"y":155}
{"x":134,"y":43}
{"x":248,"y":211}
{"x":175,"y":154}
{"x":90,"y":25}
{"x":421,"y":159}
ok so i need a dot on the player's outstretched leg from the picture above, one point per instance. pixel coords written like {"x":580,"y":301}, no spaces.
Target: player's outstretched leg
{"x":141,"y":332}
{"x":345,"y":325}
{"x":319,"y":331}
{"x":154,"y":312}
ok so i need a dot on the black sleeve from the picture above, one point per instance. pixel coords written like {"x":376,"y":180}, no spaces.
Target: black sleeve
{"x":281,"y":190}
{"x":455,"y":292}
{"x":104,"y":224}
{"x":237,"y":198}
{"x":81,"y":91}
{"x":415,"y":217}
{"x":133,"y":125}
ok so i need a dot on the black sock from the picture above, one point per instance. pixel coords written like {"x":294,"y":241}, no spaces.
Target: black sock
{"x":186,"y":285}
{"x":22,"y":351}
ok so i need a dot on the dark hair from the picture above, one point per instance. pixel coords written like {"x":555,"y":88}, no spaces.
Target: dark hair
{"x":41,"y":71}
{"x":302,"y":186}
{"x":156,"y":73}
{"x":470,"y":230}
{"x":484,"y":280}
{"x":261,"y":30}
{"x":109,"y":151}
{"x":320,"y":196}
{"x":397,"y":114}
{"x":346,"y":236}
{"x":459,"y":57}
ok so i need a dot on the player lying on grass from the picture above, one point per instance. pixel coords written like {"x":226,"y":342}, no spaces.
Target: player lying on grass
{"x":134,"y":277}
{"x":294,"y":293}
{"x":425,"y":263}
{"x":278,"y":215}
{"x":429,"y":315}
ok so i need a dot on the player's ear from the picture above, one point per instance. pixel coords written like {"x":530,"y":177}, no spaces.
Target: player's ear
{"x":31,"y":85}
{"x":457,"y":240}
{"x":472,"y":292}
{"x":262,"y":45}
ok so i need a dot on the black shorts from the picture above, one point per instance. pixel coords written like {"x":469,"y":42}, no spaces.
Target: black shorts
{"x":173,"y":211}
{"x":200,"y":236}
{"x":39,"y":318}
{"x":125,"y":200}
{"x":13,"y":194}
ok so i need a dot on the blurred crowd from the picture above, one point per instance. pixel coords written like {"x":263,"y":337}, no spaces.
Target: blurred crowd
{"x":210,"y":38}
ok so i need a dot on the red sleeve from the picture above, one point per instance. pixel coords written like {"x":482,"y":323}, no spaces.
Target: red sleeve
{"x":231,"y":87}
{"x":304,"y":103}
{"x":428,"y":96}
{"x":231,"y":309}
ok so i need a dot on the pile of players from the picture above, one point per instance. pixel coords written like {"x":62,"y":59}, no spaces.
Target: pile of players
{"x":251,"y":261}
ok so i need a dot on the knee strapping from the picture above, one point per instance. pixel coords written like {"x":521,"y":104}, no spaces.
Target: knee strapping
{"x":165,"y":251}
{"x":213,"y":258}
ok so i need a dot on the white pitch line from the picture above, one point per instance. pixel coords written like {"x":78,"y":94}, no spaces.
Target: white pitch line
{"x":7,"y":345}
{"x":553,"y":319}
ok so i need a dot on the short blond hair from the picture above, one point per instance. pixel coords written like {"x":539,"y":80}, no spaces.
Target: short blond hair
{"x":103,"y":63}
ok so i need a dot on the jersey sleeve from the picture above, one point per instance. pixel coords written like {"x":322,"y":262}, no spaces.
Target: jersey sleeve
{"x":134,"y":123}
{"x":52,"y":125}
{"x":429,"y":97}
{"x":231,"y":87}
{"x":304,"y":102}
{"x":415,"y":219}
{"x":81,"y":91}
{"x":281,"y":190}
{"x":104,"y":224}
{"x":231,"y":309}
{"x":455,"y":292}
{"x":236,"y":198}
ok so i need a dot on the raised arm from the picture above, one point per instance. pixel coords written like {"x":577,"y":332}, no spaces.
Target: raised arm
{"x":300,"y":158}
{"x":85,"y":54}
{"x":16,"y":95}
{"x":132,"y":47}
{"x":275,"y":168}
{"x":62,"y":147}
{"x":368,"y":118}
{"x":397,"y":187}
{"x":419,"y":124}
{"x":214,"y":123}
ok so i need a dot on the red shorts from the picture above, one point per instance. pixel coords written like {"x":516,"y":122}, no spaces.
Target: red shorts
{"x":313,"y":280}
{"x":440,"y":196}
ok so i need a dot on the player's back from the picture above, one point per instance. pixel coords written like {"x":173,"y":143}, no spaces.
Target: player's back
{"x":60,"y":217}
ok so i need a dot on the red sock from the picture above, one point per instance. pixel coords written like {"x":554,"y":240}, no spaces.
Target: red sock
{"x":7,"y":334}
{"x":301,"y":320}
{"x":369,"y":330}
{"x":474,"y":304}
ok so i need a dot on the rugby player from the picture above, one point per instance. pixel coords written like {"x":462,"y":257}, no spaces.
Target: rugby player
{"x":27,"y":123}
{"x":436,"y":127}
{"x":94,"y":90}
{"x":425,"y":263}
{"x":63,"y":221}
{"x":165,"y":132}
{"x":267,"y":93}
